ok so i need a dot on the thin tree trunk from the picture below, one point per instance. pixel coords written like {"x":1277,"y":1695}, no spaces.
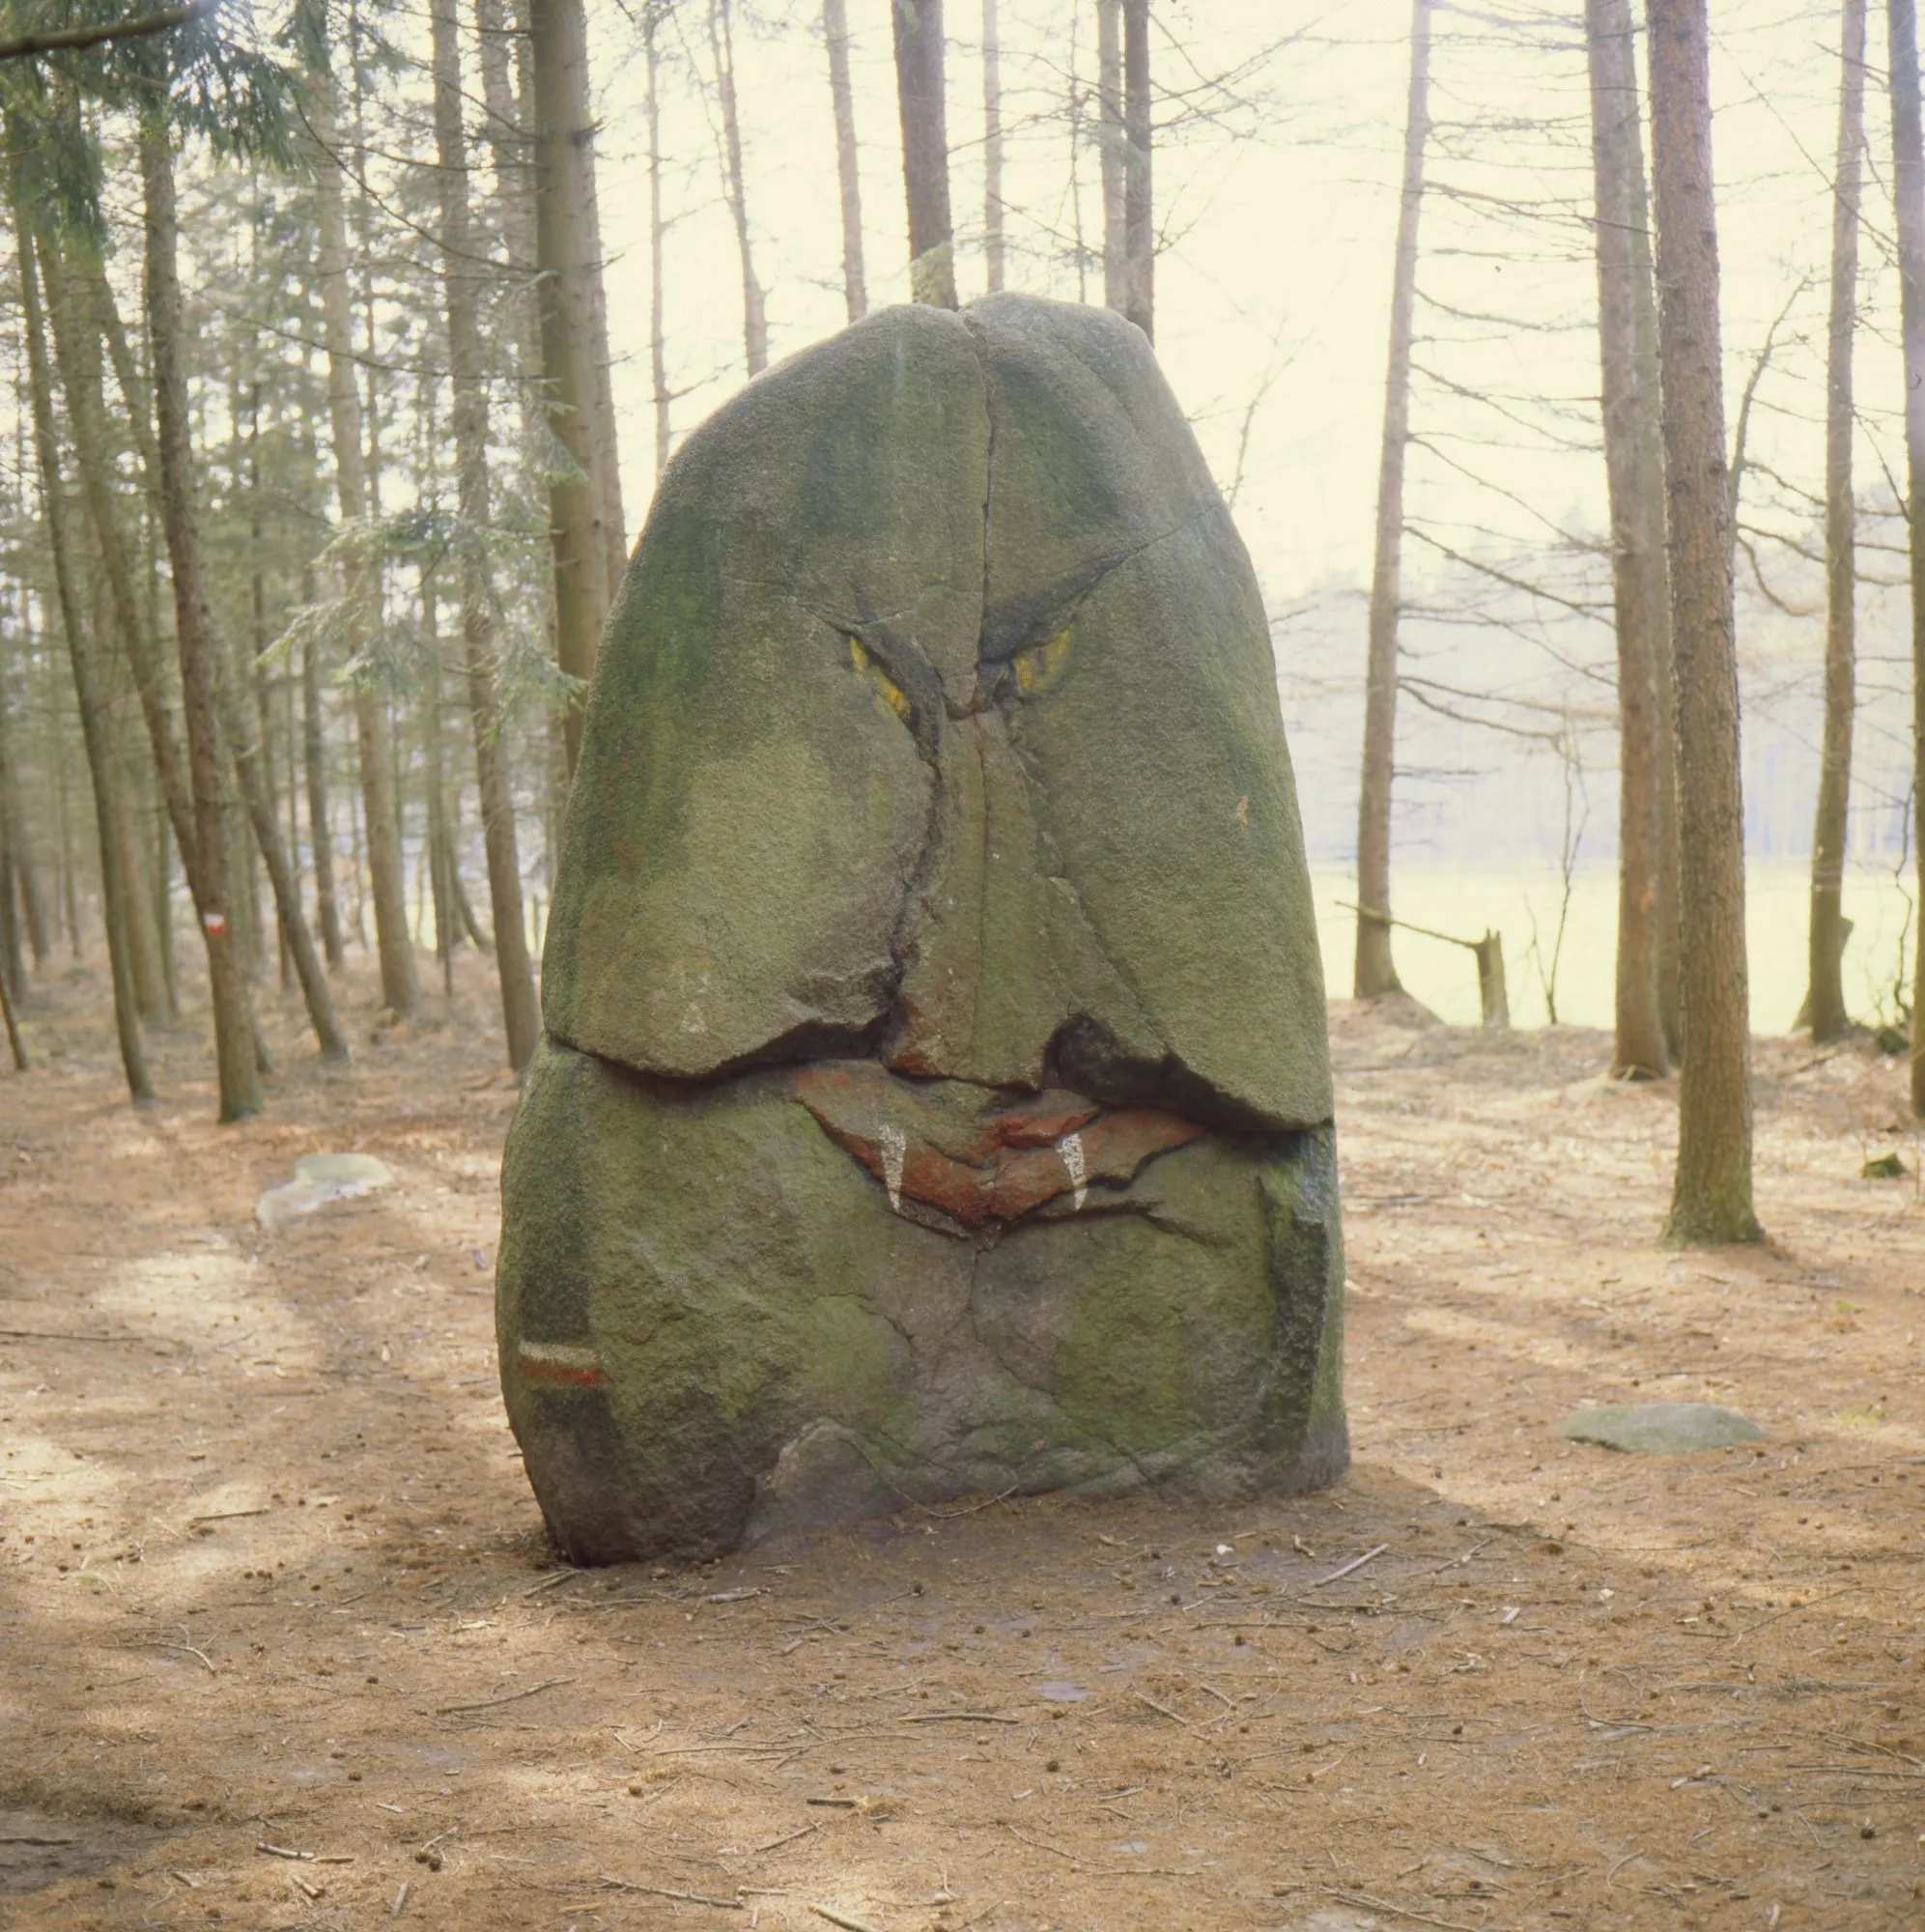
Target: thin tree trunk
{"x":319,"y":831}
{"x":992,"y":148}
{"x":926,"y":150}
{"x":1657,"y":601}
{"x":400,"y":983}
{"x":1110,"y":140}
{"x":1908,"y":141}
{"x":1638,"y":1046}
{"x":657,"y":349}
{"x":1374,"y":973}
{"x":234,"y":1028}
{"x":1138,"y":207}
{"x":1825,"y":1001}
{"x":754,"y":308}
{"x":835,"y":33}
{"x":467,"y":371}
{"x":1711,"y":1198}
{"x":150,"y":991}
{"x":564,"y":186}
{"x":96,"y":719}
{"x":14,"y":831}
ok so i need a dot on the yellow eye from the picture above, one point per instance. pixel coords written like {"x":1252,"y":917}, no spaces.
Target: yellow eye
{"x":1041,"y":665}
{"x":884,"y":686}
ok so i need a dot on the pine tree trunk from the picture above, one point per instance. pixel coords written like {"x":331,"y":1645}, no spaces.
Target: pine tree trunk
{"x":400,"y":982}
{"x":835,"y":33}
{"x":1138,"y":207}
{"x":1908,"y":142}
{"x":320,"y":829}
{"x":992,"y":148}
{"x":1825,"y":1001}
{"x":468,"y":372}
{"x":564,"y":177}
{"x":1711,"y":1198}
{"x":658,"y":347}
{"x":20,"y":848}
{"x":1374,"y":973}
{"x":1110,"y":147}
{"x":96,"y":710}
{"x":1638,"y":1048}
{"x":734,"y":190}
{"x":926,"y":150}
{"x":234,"y":1027}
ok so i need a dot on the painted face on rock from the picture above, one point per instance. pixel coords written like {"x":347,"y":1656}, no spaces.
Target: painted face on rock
{"x":935,"y":1098}
{"x":936,"y":729}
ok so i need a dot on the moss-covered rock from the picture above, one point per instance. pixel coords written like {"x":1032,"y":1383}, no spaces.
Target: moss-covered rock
{"x":936,"y":1097}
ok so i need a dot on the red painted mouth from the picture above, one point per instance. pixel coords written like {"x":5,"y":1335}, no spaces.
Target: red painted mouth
{"x":975,"y":1155}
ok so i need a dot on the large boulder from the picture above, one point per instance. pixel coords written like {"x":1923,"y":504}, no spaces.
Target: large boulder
{"x":936,"y":1094}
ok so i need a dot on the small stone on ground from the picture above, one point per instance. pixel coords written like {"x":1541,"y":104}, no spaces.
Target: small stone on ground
{"x":1661,"y":1427}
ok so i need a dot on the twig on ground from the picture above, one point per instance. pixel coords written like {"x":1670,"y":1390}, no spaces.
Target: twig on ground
{"x":1371,"y":1904}
{"x":1161,"y":1709}
{"x":1355,"y":1563}
{"x":841,"y":1918}
{"x":495,"y":1703}
{"x":665,"y":1891}
{"x":789,"y":1837}
{"x":960,"y":1717}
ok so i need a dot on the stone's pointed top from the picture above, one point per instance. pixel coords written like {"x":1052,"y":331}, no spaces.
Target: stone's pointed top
{"x":1661,"y":1427}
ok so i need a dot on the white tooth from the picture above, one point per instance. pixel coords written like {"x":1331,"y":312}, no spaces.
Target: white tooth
{"x":1069,"y":1150}
{"x":893,"y":1147}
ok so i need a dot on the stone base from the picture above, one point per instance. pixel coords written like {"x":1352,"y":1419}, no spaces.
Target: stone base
{"x":715,"y":1328}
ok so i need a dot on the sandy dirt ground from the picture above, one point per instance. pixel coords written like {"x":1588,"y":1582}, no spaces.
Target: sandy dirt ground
{"x":284,"y":1645}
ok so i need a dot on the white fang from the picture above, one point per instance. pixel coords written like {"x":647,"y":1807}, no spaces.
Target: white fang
{"x":1069,"y":1150}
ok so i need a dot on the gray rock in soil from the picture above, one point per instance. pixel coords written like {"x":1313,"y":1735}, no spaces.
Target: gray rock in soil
{"x":320,"y":1178}
{"x":1661,"y":1427}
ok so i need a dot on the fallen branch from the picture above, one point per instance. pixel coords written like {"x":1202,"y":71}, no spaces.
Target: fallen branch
{"x":665,"y":1891}
{"x":495,"y":1703}
{"x":1355,"y":1563}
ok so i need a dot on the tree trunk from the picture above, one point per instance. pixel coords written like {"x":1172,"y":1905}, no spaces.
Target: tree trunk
{"x":400,"y":983}
{"x":657,"y":347}
{"x":1109,"y":146}
{"x":13,"y":834}
{"x":1139,"y":209}
{"x":1711,"y":1198}
{"x":755,"y":312}
{"x":566,"y":264}
{"x":1374,"y":973}
{"x":1825,"y":1001}
{"x":234,"y":1028}
{"x":835,"y":33}
{"x":992,"y":148}
{"x":468,"y":374}
{"x":96,"y":710}
{"x":1638,"y":1048}
{"x":1657,"y":599}
{"x":320,"y":830}
{"x":926,"y":151}
{"x":1908,"y":141}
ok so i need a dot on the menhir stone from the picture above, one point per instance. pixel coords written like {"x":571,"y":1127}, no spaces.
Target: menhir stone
{"x":935,"y":1098}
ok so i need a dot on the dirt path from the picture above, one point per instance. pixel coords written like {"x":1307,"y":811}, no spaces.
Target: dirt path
{"x":282,"y":1635}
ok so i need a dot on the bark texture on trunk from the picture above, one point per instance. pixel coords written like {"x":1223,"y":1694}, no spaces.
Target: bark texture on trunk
{"x":992,"y":148}
{"x":1711,"y":1198}
{"x":567,"y":256}
{"x":1908,"y":143}
{"x":1109,"y":146}
{"x":1638,"y":1046}
{"x":735,"y":193}
{"x":235,"y":1042}
{"x":836,"y":34}
{"x":468,"y":374}
{"x":926,"y":150}
{"x":1139,"y":205}
{"x":1825,"y":1001}
{"x":319,"y":827}
{"x":1374,"y":974}
{"x":89,"y":687}
{"x":400,"y":982}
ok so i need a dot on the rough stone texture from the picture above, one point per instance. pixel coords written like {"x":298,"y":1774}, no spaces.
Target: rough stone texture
{"x":936,"y":1097}
{"x":1661,"y":1427}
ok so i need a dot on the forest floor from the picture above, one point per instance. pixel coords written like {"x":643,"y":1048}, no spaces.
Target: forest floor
{"x":284,"y":1645}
